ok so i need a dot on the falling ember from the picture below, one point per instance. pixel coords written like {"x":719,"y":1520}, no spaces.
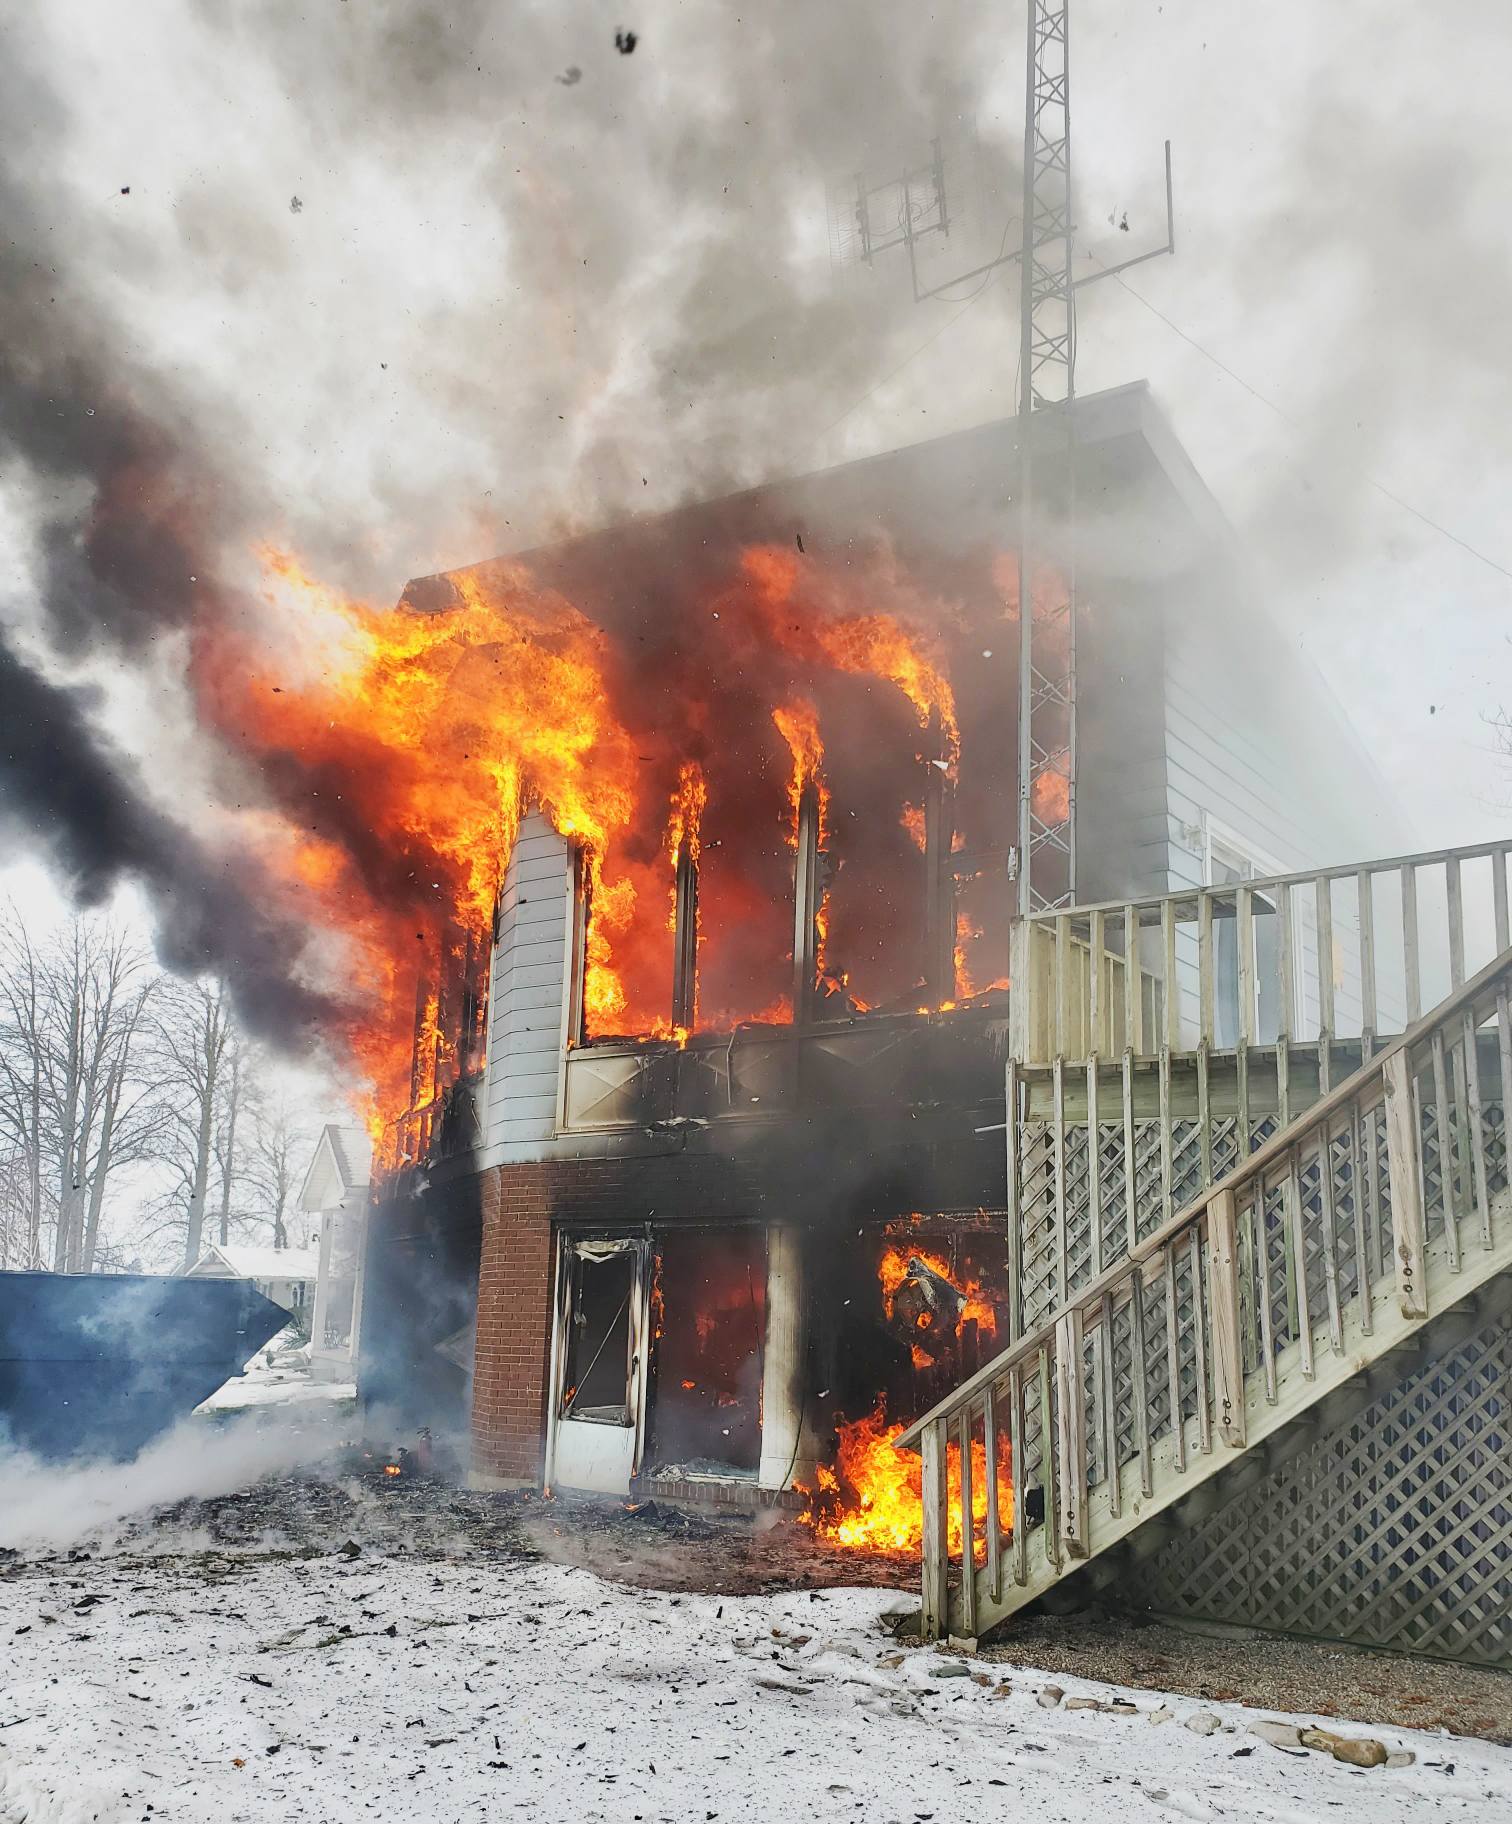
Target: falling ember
{"x":912,"y":820}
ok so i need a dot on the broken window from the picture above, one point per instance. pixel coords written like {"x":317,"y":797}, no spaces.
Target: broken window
{"x":599,"y":1332}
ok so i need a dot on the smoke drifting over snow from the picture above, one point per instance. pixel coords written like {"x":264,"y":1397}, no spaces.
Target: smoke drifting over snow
{"x":51,"y":1505}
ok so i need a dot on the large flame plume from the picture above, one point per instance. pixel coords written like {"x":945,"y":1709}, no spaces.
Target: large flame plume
{"x":873,"y":1500}
{"x":399,"y":750}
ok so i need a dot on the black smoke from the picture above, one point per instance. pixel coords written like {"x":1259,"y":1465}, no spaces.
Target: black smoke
{"x":188,"y":365}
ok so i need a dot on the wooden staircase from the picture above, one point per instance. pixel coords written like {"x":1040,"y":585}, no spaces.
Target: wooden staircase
{"x":1358,"y":1234}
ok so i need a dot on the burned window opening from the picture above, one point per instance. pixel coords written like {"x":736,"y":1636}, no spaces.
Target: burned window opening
{"x":821,"y":991}
{"x":600,"y":1365}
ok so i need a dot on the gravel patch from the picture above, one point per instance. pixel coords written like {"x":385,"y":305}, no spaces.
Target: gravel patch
{"x":1264,"y":1671}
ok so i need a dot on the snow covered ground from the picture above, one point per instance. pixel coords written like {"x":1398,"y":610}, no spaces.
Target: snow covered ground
{"x":278,"y":1375}
{"x":186,"y":1687}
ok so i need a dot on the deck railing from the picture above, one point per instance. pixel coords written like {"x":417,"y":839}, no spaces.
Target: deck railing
{"x":1331,"y":955}
{"x":1380,"y":1206}
{"x":1155,"y":1044}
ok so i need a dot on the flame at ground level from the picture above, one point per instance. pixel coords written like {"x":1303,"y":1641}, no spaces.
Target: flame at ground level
{"x":886,"y":1513}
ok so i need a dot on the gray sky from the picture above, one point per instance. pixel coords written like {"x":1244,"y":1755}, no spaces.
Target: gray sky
{"x":414,"y":293}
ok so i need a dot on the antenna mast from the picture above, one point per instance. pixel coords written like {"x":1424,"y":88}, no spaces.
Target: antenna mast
{"x":904,"y":213}
{"x":1047,"y":364}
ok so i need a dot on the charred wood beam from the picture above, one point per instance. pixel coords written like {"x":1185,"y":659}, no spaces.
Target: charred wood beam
{"x":808,"y":892}
{"x":421,"y":1058}
{"x":939,"y":873}
{"x":685,"y":944}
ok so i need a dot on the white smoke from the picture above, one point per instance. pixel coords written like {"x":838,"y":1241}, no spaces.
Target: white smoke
{"x":57,"y":1506}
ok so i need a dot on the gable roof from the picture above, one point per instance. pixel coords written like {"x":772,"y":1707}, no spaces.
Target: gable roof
{"x":343,"y":1163}
{"x":235,"y":1262}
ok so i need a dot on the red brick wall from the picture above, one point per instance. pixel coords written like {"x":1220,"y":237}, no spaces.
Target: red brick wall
{"x":514,"y":1323}
{"x":521,"y":1202}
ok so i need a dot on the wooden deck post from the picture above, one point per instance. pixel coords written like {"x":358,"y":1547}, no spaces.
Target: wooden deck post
{"x":1223,"y":1290}
{"x":1407,"y":1233}
{"x":934,"y":1617}
{"x":1071,"y":1428}
{"x":968,"y":1528}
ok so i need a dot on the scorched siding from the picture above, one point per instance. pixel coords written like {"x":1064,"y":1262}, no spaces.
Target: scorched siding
{"x":529,"y":987}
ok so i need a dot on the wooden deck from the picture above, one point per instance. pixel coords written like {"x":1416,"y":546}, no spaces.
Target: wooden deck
{"x":1197,"y":1280}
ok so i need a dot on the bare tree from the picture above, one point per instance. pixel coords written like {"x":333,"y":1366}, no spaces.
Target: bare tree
{"x":24,"y":1037}
{"x":16,"y":1206}
{"x":230,"y":1130}
{"x":282,"y":1144}
{"x":194,"y":1038}
{"x":73,"y":1105}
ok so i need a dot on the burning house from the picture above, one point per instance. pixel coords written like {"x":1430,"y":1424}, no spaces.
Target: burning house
{"x":702,"y":1186}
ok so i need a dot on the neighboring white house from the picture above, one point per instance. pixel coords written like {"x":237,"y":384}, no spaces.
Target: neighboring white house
{"x":336,"y":1190}
{"x":286,"y":1275}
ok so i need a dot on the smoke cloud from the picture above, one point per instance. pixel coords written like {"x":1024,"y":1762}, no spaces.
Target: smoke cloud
{"x":395,"y":287}
{"x":402,"y":285}
{"x":48,"y":1506}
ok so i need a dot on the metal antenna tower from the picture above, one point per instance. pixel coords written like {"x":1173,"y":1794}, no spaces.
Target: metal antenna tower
{"x":1047,"y":378}
{"x":874,"y":220}
{"x":1047,"y":383}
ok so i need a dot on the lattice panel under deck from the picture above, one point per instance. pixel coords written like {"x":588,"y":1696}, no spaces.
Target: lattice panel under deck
{"x":1395,"y":1530}
{"x":1041,"y":1240}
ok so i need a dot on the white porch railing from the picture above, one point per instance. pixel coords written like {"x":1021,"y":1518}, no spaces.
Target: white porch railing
{"x":1332,"y":956}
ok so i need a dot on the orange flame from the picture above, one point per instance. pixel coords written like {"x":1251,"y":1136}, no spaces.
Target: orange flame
{"x":874,"y":645}
{"x":420,"y":737}
{"x":685,"y":825}
{"x":887,"y":1514}
{"x":872,"y":1500}
{"x":895,"y":1268}
{"x":1051,"y":797}
{"x":798,"y":724}
{"x":400,"y":749}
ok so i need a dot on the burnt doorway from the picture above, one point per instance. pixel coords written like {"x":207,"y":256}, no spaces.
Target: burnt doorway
{"x":709,"y":1304}
{"x":598,"y":1364}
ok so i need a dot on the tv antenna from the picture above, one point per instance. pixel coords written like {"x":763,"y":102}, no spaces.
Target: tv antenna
{"x":906,"y":213}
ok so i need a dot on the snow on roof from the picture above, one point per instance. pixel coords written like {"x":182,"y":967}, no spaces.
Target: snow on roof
{"x":259,"y":1263}
{"x":343,"y":1162}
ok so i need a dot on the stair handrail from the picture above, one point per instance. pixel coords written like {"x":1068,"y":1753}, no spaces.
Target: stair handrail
{"x":1479,"y":998}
